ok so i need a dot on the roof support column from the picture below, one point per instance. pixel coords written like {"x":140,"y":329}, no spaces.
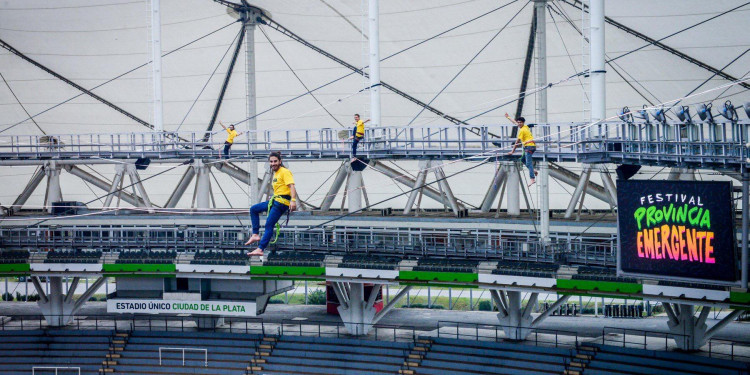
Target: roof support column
{"x":249,"y":17}
{"x":597,"y":73}
{"x":374,"y":38}
{"x":54,"y":192}
{"x":540,"y":11}
{"x":156,"y":64}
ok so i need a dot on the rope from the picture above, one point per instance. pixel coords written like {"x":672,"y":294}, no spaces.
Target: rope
{"x":381,"y":60}
{"x":117,"y":77}
{"x":471,"y":60}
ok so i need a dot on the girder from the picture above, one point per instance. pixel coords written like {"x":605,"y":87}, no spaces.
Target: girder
{"x":608,"y":143}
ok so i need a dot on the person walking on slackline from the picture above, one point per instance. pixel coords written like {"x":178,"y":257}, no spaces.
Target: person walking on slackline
{"x":358,"y":134}
{"x":526,"y":140}
{"x":231,"y":135}
{"x":284,"y":200}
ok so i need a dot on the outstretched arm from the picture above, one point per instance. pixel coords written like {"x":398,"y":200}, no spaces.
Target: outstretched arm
{"x":510,"y":119}
{"x":222,"y":125}
{"x":293,"y":202}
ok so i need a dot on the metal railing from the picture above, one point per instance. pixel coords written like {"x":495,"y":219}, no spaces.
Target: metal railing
{"x":638,"y":338}
{"x":727,"y":349}
{"x":634,"y":338}
{"x":438,"y":242}
{"x":316,"y":328}
{"x":700,"y":143}
{"x":150,"y":323}
{"x":496,"y":332}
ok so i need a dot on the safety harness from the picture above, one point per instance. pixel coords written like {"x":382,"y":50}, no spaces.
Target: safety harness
{"x":283,"y":200}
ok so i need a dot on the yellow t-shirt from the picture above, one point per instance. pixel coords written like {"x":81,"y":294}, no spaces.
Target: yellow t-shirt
{"x":360,"y":128}
{"x":282,"y":178}
{"x":525,"y":136}
{"x":231,"y":135}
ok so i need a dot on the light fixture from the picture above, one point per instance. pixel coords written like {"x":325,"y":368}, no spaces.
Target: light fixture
{"x":642,"y":114}
{"x":625,"y":115}
{"x":658,"y":115}
{"x":747,"y":109}
{"x":683,"y":113}
{"x":704,"y":112}
{"x":729,"y":112}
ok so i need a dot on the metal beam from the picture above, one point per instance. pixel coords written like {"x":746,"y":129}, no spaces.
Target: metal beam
{"x":446,"y":188}
{"x":387,"y":308}
{"x":549,"y":311}
{"x":39,"y":289}
{"x":526,"y":71}
{"x":116,"y":183}
{"x":419,"y":181}
{"x":405,"y":180}
{"x":87,"y":294}
{"x":28,"y":190}
{"x":577,"y":4}
{"x":335,"y":187}
{"x":721,"y":324}
{"x":101,"y":184}
{"x":501,"y":173}
{"x":18,"y":53}
{"x":179,"y":190}
{"x":224,"y":86}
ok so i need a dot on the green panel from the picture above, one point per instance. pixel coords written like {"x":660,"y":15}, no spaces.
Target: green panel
{"x":287,"y":271}
{"x":438,"y":276}
{"x":739,"y":297}
{"x":436,"y":285}
{"x":15,"y":267}
{"x":602,"y":286}
{"x":134,"y":267}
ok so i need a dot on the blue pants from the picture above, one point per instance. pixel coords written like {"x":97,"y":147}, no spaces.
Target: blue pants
{"x":277,"y":209}
{"x":227,"y":146}
{"x":527,"y":152}
{"x":355,"y":142}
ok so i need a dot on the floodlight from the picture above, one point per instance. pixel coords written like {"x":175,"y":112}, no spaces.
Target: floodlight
{"x":704,"y":112}
{"x":683,"y":113}
{"x":747,"y":109}
{"x":625,"y":115}
{"x":642,"y":114}
{"x":659,"y":115}
{"x":729,"y":112}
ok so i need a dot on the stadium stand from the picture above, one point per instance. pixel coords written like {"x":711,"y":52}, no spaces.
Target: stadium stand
{"x":601,"y":274}
{"x":452,"y":356}
{"x":446,"y":265}
{"x":295,"y":259}
{"x":14,"y":256}
{"x":596,"y":359}
{"x":532,"y":269}
{"x":22,"y":350}
{"x":220,"y":257}
{"x":73,"y":256}
{"x":146,"y":257}
{"x":369,"y":262}
{"x":204,"y":352}
{"x":337,"y":356}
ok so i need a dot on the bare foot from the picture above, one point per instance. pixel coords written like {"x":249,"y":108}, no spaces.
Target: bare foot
{"x":253,"y":238}
{"x":256,"y":252}
{"x":532,"y":182}
{"x":353,"y":160}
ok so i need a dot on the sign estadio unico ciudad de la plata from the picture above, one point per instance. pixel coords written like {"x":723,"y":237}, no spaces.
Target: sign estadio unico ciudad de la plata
{"x":677,"y":230}
{"x":157,"y":306}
